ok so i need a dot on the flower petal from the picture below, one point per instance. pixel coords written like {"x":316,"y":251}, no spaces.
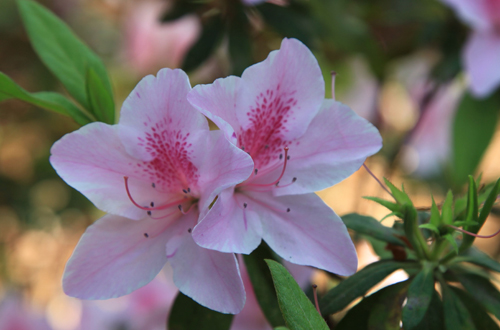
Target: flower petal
{"x":224,"y":166}
{"x":481,"y":57}
{"x":218,"y":101}
{"x":309,"y":234}
{"x":229,"y":226}
{"x":209,"y":277}
{"x":93,"y":161}
{"x":335,"y":145}
{"x":116,"y":256}
{"x":475,"y":13}
{"x":156,"y":109}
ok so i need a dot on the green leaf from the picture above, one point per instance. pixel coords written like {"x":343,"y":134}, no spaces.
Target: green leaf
{"x":186,"y":314}
{"x":429,"y":226}
{"x":101,"y":102}
{"x":456,"y":316}
{"x":213,"y":31}
{"x":419,"y":298}
{"x":380,"y":310}
{"x":479,"y":316}
{"x":262,"y":283}
{"x":447,"y":209}
{"x":472,"y":206}
{"x":399,"y":195}
{"x":66,"y":56}
{"x":433,"y":319}
{"x":473,"y":128}
{"x":477,"y":257}
{"x":435,"y":216}
{"x":46,"y":100}
{"x":358,"y":284}
{"x":298,"y":312}
{"x":483,"y":290}
{"x":453,"y":242}
{"x":390,"y":205}
{"x":369,"y":226}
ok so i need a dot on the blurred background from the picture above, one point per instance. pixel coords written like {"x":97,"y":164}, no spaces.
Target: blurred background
{"x":400,"y":64}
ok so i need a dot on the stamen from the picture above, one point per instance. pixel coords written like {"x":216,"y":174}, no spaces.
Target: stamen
{"x":245,"y":205}
{"x":315,"y":293}
{"x":189,"y":210}
{"x":152,"y":204}
{"x":288,"y":157}
{"x":256,"y":170}
{"x":376,"y":179}
{"x":281,"y":175}
{"x":189,"y":190}
{"x":153,"y":185}
{"x":190,"y":230}
{"x":165,"y":216}
{"x":243,"y":148}
{"x":149,"y":213}
{"x":162,"y":207}
{"x":288,"y":210}
{"x":146,"y":235}
{"x":184,"y":191}
{"x":472,"y":234}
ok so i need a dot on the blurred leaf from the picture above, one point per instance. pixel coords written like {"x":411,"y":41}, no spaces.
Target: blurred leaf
{"x":456,"y":316}
{"x":472,"y":207}
{"x":371,"y":227}
{"x":430,"y":226}
{"x":281,"y":328}
{"x":479,"y":316}
{"x":473,"y":129}
{"x":46,"y":100}
{"x":101,"y":102}
{"x":240,"y":46}
{"x":483,"y":290}
{"x":358,"y":284}
{"x":377,"y":311}
{"x":419,"y":298}
{"x":180,"y":8}
{"x":298,"y":312}
{"x":292,"y":21}
{"x":433,"y":318}
{"x":262,"y":283}
{"x":453,"y":242}
{"x":477,"y":257}
{"x":435,"y":215}
{"x":379,"y":247}
{"x":186,"y":314}
{"x":447,"y":209}
{"x":67,"y":57}
{"x":213,"y":31}
{"x":399,"y":195}
{"x":396,"y":208}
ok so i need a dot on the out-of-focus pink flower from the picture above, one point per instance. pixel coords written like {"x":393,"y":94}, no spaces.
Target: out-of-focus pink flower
{"x":173,"y":166}
{"x":482,"y":51}
{"x":16,"y":315}
{"x":277,"y":110}
{"x":150,"y":44}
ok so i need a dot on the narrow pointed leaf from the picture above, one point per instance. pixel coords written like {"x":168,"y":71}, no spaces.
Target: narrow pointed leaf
{"x":447,"y":210}
{"x":479,"y":316}
{"x":472,"y":206}
{"x":298,"y":311}
{"x":186,"y":314}
{"x":456,"y":316}
{"x":429,"y":226}
{"x":433,"y":319}
{"x":262,"y":283}
{"x":477,"y":257}
{"x":46,"y":100}
{"x":390,"y":205}
{"x":101,"y":102}
{"x":66,"y":56}
{"x":369,"y":226}
{"x":435,"y":216}
{"x":358,"y":284}
{"x":400,"y":196}
{"x":419,"y":298}
{"x":483,"y":290}
{"x":453,"y":242}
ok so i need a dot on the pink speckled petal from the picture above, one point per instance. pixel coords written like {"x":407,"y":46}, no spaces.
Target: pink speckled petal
{"x":94,"y":161}
{"x":335,"y":145}
{"x":482,"y":58}
{"x":309,"y":234}
{"x":209,"y":277}
{"x":280,"y":95}
{"x":229,"y":226}
{"x":218,"y":101}
{"x":114,"y":257}
{"x":473,"y":12}
{"x":223,"y":166}
{"x":157,"y":110}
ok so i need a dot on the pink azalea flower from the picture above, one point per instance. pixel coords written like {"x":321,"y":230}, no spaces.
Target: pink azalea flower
{"x":16,"y":315}
{"x":482,"y":51}
{"x":151,"y":173}
{"x":299,"y":143}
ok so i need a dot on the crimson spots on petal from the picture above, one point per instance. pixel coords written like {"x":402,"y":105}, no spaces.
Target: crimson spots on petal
{"x":263,"y":137}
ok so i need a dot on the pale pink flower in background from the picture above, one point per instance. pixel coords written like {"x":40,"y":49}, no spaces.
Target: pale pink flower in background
{"x":18,"y":315}
{"x":276,"y":111}
{"x":150,"y":44}
{"x":481,"y":55}
{"x":175,"y":167}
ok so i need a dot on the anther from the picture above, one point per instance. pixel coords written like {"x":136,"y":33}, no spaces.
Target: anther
{"x":288,"y":209}
{"x":242,"y":148}
{"x":161,"y":207}
{"x":256,"y":170}
{"x":245,"y":205}
{"x":146,"y":235}
{"x":315,"y":293}
{"x":185,"y":191}
{"x":294,"y":179}
{"x":180,"y":207}
{"x":288,"y":157}
{"x":149,"y":213}
{"x":281,"y":156}
{"x":190,"y":230}
{"x":277,"y":183}
{"x":152,"y":204}
{"x":189,"y":190}
{"x":153,"y":185}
